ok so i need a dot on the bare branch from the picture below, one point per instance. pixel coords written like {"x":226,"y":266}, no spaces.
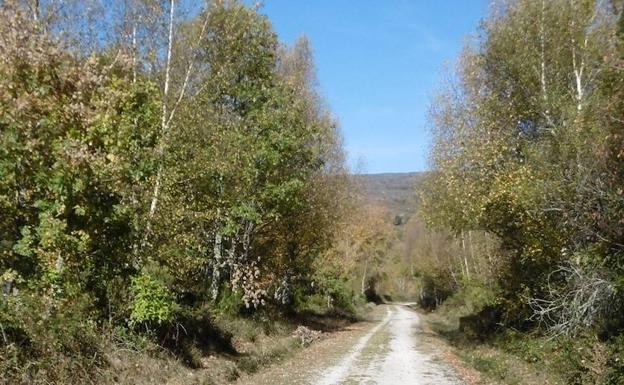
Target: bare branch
{"x":582,"y":302}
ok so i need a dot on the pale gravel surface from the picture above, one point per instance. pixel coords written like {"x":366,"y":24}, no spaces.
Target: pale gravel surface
{"x":337,"y":373}
{"x":392,"y":351}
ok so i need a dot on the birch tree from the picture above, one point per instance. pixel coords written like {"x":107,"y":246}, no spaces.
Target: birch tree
{"x":518,"y":137}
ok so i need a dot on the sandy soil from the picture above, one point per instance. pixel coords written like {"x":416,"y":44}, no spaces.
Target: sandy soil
{"x":389,"y":351}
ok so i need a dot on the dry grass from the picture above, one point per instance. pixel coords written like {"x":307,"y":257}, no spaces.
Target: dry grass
{"x":483,"y":364}
{"x":257,"y":343}
{"x":157,"y":366}
{"x":510,"y":357}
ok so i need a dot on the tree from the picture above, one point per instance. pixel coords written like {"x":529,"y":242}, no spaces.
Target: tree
{"x":519,"y":143}
{"x":153,"y":162}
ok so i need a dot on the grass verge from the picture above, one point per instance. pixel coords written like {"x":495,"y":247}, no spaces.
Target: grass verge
{"x":254,"y":343}
{"x":510,"y":357}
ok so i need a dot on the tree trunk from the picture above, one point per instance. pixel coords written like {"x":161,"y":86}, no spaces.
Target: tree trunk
{"x":163,"y":128}
{"x":577,"y":68}
{"x":163,"y":117}
{"x":216,"y":267}
{"x":168,"y":115}
{"x":364,"y":277}
{"x":464,"y":255}
{"x":134,"y":51}
{"x":543,"y":54}
{"x":35,"y":10}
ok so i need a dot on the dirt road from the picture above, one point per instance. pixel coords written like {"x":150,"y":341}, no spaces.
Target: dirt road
{"x":391,"y":350}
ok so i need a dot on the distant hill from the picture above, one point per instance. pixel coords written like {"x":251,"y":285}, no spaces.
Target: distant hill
{"x":397,"y":191}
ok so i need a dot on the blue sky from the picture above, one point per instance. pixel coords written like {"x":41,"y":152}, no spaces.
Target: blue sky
{"x":379,"y":63}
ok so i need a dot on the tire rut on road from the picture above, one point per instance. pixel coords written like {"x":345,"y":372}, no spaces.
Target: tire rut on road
{"x":406,"y":358}
{"x":392,"y":351}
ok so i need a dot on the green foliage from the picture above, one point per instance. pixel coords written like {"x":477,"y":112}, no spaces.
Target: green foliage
{"x":469,"y":298}
{"x":523,"y":152}
{"x":245,"y":166}
{"x":46,"y":339}
{"x":615,"y":374}
{"x":152,"y":303}
{"x":511,"y":356}
{"x":230,"y":302}
{"x":333,"y":289}
{"x":148,"y":195}
{"x":434,"y":289}
{"x":579,"y":360}
{"x":77,"y":144}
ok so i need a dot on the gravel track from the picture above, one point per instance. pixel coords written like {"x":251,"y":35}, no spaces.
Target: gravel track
{"x":392,"y":351}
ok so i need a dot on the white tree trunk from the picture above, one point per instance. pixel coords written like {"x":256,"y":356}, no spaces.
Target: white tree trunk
{"x":163,"y":117}
{"x":543,"y":56}
{"x":134,"y":51}
{"x":167,"y":116}
{"x":577,"y":68}
{"x":35,"y":10}
{"x":464,"y":255}
{"x":216,"y":269}
{"x":364,"y":277}
{"x":163,"y":127}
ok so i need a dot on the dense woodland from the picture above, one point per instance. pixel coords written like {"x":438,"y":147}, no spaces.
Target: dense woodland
{"x":528,"y":180}
{"x":160,"y":163}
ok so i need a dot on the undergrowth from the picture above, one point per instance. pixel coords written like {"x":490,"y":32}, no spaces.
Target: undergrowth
{"x":210,"y":344}
{"x":504,"y":355}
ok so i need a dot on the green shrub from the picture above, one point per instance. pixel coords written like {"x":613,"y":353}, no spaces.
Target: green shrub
{"x":329,"y":292}
{"x":230,"y":301}
{"x":315,"y":302}
{"x":434,"y":287}
{"x":578,"y":360}
{"x":615,"y":373}
{"x":469,"y":299}
{"x":153,"y":303}
{"x":48,"y":340}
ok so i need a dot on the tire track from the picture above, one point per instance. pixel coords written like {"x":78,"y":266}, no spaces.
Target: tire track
{"x":339,"y":372}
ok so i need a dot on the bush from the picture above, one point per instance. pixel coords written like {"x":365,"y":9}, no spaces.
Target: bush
{"x":471,"y":297}
{"x":482,"y":324}
{"x":229,"y":302}
{"x":434,"y":288}
{"x":317,"y":303}
{"x":615,"y":374}
{"x":330,"y":292}
{"x":48,"y":340}
{"x":432,"y":294}
{"x":194,"y":335}
{"x":153,"y":302}
{"x":370,"y":293}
